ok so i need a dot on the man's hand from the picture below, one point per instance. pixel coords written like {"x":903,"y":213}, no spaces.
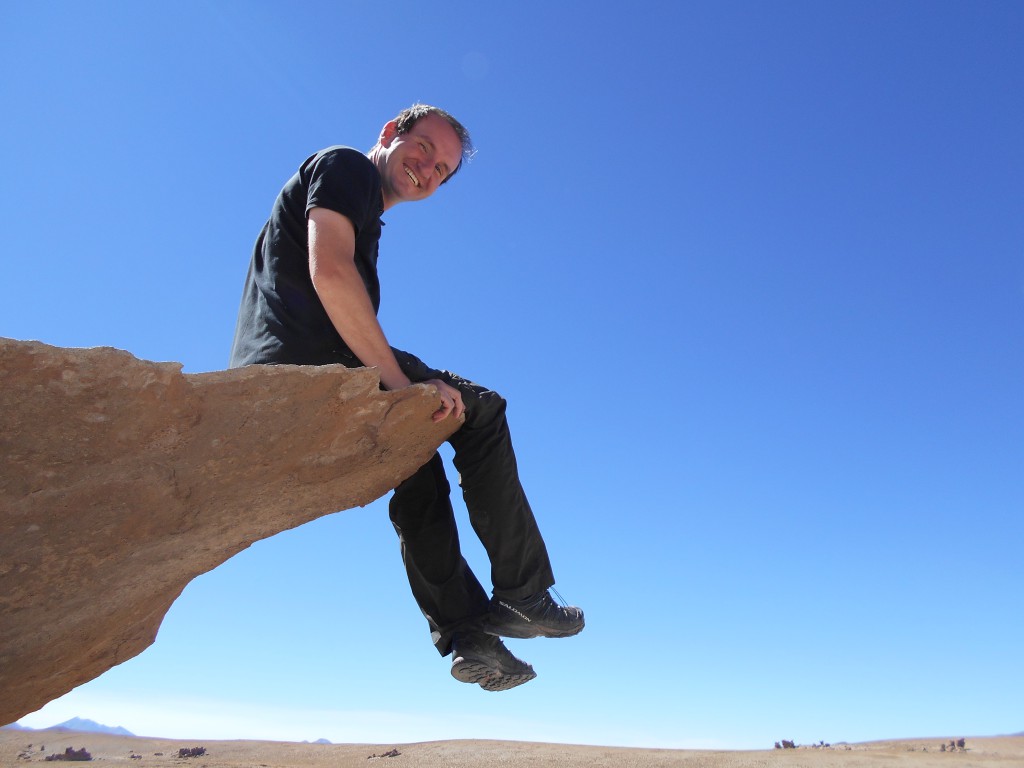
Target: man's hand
{"x":451,"y":400}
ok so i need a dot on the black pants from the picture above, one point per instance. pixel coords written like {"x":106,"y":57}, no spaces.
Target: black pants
{"x":443,"y":584}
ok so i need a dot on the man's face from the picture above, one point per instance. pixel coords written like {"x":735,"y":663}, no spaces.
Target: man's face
{"x":413,"y":164}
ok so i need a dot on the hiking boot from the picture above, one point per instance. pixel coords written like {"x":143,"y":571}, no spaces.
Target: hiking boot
{"x":483,"y":659}
{"x":537,"y":616}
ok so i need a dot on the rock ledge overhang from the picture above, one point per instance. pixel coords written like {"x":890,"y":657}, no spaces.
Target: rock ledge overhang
{"x":121,"y":480}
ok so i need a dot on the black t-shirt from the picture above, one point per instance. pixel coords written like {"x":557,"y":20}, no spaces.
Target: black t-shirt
{"x":281,"y":319}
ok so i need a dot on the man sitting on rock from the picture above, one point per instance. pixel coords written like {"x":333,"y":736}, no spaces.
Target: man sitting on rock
{"x":311,"y":298}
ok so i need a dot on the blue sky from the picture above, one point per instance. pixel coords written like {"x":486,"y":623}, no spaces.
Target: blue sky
{"x":751,"y":275}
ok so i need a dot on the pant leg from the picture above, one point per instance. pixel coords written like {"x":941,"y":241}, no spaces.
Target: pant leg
{"x":442,"y":582}
{"x":446,"y":589}
{"x":498,"y":508}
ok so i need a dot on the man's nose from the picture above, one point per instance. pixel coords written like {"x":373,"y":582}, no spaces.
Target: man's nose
{"x":425,"y":167}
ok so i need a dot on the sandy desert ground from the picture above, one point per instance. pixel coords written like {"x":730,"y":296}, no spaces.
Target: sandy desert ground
{"x":22,"y":748}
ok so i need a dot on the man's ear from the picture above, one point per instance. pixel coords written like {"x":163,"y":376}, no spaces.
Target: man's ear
{"x":388,"y":133}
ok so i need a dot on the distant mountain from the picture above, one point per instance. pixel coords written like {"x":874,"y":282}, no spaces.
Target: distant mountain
{"x":78,"y":724}
{"x":91,"y":726}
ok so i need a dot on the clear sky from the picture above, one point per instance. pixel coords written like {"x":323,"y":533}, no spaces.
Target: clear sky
{"x":751,"y":275}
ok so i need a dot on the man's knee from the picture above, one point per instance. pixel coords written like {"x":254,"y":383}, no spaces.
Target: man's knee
{"x":483,"y":406}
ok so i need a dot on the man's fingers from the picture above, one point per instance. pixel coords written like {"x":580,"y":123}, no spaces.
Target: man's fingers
{"x":457,"y":405}
{"x":445,"y":410}
{"x":451,"y":400}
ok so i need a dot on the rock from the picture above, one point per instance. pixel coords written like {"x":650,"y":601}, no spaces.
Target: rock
{"x":71,"y":755}
{"x":121,"y":480}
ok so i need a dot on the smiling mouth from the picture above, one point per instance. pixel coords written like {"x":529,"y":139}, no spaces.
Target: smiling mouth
{"x":411,"y":175}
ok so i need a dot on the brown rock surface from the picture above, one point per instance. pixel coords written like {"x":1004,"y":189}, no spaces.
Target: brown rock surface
{"x":121,"y":480}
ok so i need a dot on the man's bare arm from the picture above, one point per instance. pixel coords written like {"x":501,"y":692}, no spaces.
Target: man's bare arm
{"x":332,"y":247}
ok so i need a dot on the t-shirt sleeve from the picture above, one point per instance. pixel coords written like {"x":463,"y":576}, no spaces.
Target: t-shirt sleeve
{"x":344,"y":180}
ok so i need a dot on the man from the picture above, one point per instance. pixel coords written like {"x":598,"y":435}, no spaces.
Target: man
{"x":311,"y":298}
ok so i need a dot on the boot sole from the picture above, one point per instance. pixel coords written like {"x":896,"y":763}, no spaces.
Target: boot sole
{"x":473,"y":671}
{"x":523,"y":631}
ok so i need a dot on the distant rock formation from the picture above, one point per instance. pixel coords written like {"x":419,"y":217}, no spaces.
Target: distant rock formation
{"x":121,"y":480}
{"x":71,"y":755}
